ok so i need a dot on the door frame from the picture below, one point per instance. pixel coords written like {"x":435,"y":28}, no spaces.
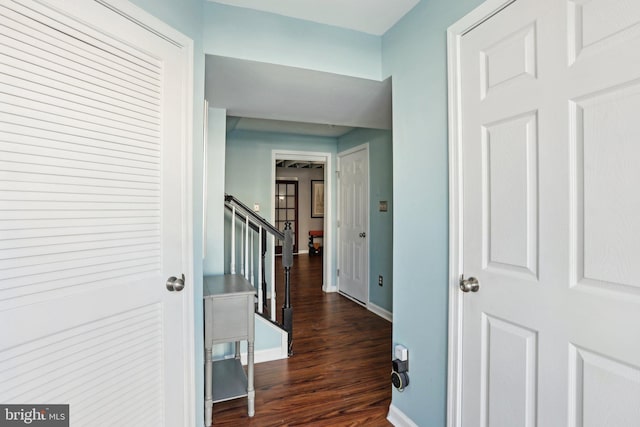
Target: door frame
{"x":312,"y":156}
{"x":454,"y":75}
{"x":362,"y":147}
{"x":144,"y":19}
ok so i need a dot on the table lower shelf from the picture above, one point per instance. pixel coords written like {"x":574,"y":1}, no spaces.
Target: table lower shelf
{"x":229,"y":380}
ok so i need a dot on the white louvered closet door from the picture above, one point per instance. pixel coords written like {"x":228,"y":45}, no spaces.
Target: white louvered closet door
{"x":92,"y":126}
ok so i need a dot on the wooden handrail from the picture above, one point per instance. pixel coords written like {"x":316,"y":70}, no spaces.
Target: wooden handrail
{"x":255,"y":217}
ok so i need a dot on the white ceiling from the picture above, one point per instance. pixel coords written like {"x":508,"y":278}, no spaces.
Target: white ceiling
{"x":274,"y":92}
{"x":367,"y":16}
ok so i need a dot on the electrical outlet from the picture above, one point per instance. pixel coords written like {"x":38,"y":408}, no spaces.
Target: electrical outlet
{"x":380,"y":281}
{"x":256,"y":207}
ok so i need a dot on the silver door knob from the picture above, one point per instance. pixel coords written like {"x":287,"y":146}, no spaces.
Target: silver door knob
{"x":175,"y":284}
{"x":469,"y":285}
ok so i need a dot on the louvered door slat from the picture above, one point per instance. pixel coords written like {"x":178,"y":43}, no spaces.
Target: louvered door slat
{"x":45,"y":262}
{"x":26,"y":120}
{"x":12,"y":94}
{"x":22,"y":188}
{"x":42,"y":139}
{"x":37,"y":34}
{"x":92,"y":39}
{"x":36,"y":27}
{"x":66,"y":264}
{"x":39,"y":79}
{"x":85,"y":165}
{"x":33,"y":113}
{"x":16,"y":48}
{"x":105,"y":163}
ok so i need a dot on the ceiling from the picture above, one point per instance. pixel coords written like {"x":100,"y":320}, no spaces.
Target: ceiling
{"x":291,"y":96}
{"x":367,"y":16}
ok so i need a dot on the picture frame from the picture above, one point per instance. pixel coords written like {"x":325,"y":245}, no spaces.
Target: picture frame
{"x":317,"y":199}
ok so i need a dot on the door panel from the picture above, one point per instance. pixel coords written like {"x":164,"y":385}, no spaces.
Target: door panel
{"x":549,"y":127}
{"x":354,"y":225}
{"x":91,"y":175}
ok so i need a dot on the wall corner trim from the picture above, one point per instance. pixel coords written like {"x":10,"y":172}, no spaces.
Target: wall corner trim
{"x":399,"y":418}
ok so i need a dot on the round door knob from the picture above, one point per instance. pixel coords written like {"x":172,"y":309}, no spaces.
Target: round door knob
{"x":469,"y":285}
{"x":175,"y":284}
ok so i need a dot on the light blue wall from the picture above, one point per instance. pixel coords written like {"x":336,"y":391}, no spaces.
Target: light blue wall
{"x":414,"y":53}
{"x":380,"y":223}
{"x":186,"y":17}
{"x":213,"y":262}
{"x":265,"y":37}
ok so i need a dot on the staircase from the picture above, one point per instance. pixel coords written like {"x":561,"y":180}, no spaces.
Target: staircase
{"x":251,"y":237}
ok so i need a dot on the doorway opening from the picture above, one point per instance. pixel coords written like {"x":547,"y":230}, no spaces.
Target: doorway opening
{"x":305,"y":173}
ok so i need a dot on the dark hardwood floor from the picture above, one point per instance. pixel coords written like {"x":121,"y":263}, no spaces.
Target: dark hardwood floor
{"x":339,"y":374}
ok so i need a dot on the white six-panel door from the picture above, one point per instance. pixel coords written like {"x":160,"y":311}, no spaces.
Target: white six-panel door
{"x":353,"y":220}
{"x":92,"y":214}
{"x":550,"y":102}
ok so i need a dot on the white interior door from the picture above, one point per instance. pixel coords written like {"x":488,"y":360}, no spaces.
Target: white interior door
{"x":92,"y":169}
{"x":550,"y":142}
{"x":353,"y":226}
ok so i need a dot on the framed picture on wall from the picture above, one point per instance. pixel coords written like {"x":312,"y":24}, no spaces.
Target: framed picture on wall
{"x":317,"y":199}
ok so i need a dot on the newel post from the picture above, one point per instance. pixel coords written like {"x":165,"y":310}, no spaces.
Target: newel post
{"x":287,"y":263}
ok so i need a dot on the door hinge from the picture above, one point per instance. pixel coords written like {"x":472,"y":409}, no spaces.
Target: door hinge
{"x":338,"y":273}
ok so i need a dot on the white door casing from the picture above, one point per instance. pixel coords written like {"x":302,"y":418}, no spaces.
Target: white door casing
{"x":544,"y":100}
{"x":95,"y":136}
{"x":353,"y":223}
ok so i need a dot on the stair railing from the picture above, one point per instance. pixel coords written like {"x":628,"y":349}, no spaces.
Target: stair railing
{"x":250,"y":222}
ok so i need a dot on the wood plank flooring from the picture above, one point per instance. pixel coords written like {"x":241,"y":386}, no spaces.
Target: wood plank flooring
{"x":339,"y":374}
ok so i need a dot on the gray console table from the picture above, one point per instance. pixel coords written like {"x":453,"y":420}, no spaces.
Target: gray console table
{"x":229,"y":317}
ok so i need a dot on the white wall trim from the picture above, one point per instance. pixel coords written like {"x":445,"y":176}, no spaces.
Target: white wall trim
{"x":328,"y":204}
{"x":398,"y":418}
{"x":340,"y":155}
{"x":454,"y":37}
{"x":376,"y":309}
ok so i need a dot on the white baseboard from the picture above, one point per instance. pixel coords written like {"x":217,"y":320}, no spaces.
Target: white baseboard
{"x":398,"y":418}
{"x":329,"y":288}
{"x":266,"y":355}
{"x":376,"y":309}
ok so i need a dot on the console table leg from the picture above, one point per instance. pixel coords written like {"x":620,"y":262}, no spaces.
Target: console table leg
{"x":208,"y":387}
{"x":251,"y":394}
